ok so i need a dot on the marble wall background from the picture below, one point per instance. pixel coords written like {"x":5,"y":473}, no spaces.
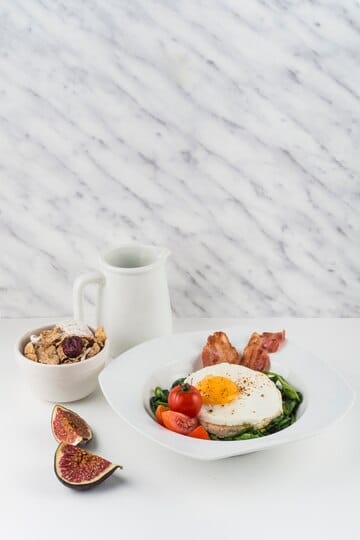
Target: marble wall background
{"x":226,"y":130}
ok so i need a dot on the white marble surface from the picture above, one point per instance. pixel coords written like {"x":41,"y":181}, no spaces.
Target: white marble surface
{"x":226,"y":130}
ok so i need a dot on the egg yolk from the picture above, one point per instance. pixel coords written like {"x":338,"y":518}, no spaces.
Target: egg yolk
{"x":217,"y":390}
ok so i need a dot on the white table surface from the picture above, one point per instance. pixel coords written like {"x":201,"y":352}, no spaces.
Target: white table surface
{"x":308,"y":489}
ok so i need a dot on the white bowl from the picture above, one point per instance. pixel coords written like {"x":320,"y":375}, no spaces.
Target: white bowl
{"x":60,"y":383}
{"x":327,"y":396}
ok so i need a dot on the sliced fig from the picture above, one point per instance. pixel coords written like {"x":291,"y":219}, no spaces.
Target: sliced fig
{"x":79,"y":469}
{"x":69,"y":427}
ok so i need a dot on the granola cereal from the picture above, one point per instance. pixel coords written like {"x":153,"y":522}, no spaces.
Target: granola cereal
{"x":100,"y":335}
{"x":94,"y":350}
{"x":48,"y":355}
{"x":65,"y":343}
{"x":29,"y":351}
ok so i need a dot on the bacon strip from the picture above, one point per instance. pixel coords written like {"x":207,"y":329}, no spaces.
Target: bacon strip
{"x":218,"y":349}
{"x":256,"y":353}
{"x":272,"y":341}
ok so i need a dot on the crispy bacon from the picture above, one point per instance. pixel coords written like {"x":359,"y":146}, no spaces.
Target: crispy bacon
{"x":255,"y":356}
{"x":256,"y":353}
{"x":218,"y":349}
{"x":272,"y":341}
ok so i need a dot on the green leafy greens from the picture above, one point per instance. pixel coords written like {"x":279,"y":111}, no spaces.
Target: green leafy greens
{"x":161,"y":395}
{"x":291,"y":399}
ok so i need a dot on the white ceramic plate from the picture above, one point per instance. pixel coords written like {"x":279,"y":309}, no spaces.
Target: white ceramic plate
{"x":127,"y":383}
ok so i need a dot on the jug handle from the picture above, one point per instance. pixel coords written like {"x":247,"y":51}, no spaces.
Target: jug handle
{"x":78,"y":294}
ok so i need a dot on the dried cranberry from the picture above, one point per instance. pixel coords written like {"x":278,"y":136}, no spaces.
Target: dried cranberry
{"x":72,"y":346}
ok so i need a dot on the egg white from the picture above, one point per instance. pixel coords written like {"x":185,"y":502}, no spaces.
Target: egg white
{"x":258,"y":402}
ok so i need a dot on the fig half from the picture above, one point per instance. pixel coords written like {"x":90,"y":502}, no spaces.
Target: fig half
{"x":69,"y":427}
{"x":77,"y":468}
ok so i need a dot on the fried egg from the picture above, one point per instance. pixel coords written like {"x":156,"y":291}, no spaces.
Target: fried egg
{"x":234,"y":398}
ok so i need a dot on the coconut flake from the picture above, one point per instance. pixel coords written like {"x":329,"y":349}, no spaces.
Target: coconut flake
{"x":85,"y":353}
{"x":74,"y":328}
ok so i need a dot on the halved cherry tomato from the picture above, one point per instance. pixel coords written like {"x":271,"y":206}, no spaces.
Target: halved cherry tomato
{"x":158,"y":413}
{"x":186,"y":399}
{"x":199,"y":433}
{"x":178,"y":422}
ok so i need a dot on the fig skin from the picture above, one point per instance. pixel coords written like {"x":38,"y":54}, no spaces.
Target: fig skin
{"x":75,"y":419}
{"x":90,"y":483}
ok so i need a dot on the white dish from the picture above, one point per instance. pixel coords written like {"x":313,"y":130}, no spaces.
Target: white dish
{"x":127,"y":383}
{"x":60,"y":383}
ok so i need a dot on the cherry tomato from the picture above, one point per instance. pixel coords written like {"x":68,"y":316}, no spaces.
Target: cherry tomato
{"x":186,"y":399}
{"x":199,"y":433}
{"x":178,"y":422}
{"x":158,"y":413}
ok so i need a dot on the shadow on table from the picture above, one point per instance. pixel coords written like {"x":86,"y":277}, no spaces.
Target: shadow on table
{"x":111,"y":484}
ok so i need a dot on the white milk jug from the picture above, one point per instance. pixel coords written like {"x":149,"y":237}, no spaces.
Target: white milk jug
{"x":133,"y":301}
